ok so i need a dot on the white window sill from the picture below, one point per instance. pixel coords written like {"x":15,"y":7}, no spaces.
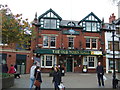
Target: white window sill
{"x":46,"y":66}
{"x":91,"y":67}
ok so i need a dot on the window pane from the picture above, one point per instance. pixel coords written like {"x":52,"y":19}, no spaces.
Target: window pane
{"x":53,"y":24}
{"x":87,"y":42}
{"x":48,"y":60}
{"x":116,"y":46}
{"x":91,"y":62}
{"x":88,"y":26}
{"x":52,"y":42}
{"x":71,"y":41}
{"x":45,"y":41}
{"x":46,"y":23}
{"x":42,"y":60}
{"x":93,"y":43}
{"x":94,"y":28}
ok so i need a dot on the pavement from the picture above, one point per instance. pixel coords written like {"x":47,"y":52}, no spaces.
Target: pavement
{"x":70,"y":80}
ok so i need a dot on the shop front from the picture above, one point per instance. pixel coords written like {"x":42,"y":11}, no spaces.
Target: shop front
{"x":72,"y":60}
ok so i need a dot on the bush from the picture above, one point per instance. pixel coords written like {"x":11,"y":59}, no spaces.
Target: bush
{"x":7,"y":80}
{"x":6,"y":75}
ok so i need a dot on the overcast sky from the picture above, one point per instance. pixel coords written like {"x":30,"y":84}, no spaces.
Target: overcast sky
{"x":67,"y":9}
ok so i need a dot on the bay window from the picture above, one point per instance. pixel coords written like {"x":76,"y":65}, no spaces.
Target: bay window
{"x":90,"y":61}
{"x":48,"y":61}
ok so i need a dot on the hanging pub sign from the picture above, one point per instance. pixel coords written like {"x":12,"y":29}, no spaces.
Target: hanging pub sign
{"x":71,"y":32}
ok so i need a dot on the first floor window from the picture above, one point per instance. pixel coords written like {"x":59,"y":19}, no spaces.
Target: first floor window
{"x":71,"y":42}
{"x":91,"y":43}
{"x":49,"y":41}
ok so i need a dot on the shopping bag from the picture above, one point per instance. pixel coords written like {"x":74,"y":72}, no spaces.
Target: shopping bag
{"x":61,"y":87}
{"x":37,"y":83}
{"x":104,"y":77}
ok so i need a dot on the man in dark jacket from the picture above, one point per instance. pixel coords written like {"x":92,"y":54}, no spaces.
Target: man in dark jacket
{"x":100,"y":73}
{"x":56,"y":78}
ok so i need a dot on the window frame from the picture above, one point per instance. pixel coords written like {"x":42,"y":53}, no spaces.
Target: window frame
{"x":43,"y":59}
{"x":92,"y":43}
{"x":71,"y":41}
{"x":89,"y":42}
{"x":49,"y":42}
{"x":91,"y":46}
{"x":86,"y":61}
{"x":52,"y":40}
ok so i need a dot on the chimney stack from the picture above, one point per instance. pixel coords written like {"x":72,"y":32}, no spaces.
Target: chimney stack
{"x":112,"y":18}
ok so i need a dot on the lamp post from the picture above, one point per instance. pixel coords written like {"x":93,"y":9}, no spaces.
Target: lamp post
{"x":114,"y":72}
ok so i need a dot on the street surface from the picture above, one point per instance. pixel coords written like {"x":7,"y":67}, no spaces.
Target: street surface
{"x":70,"y":80}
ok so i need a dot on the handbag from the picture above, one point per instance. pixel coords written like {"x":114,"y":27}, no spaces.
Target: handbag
{"x":61,"y":86}
{"x":36,"y":82}
{"x":104,"y":77}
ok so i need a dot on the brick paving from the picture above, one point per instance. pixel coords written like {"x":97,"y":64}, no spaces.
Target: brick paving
{"x":70,"y":80}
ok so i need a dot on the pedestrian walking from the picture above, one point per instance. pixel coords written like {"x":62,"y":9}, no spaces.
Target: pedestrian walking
{"x":37,"y":76}
{"x":12,"y":70}
{"x":32,"y":78}
{"x":56,"y":78}
{"x":100,"y":73}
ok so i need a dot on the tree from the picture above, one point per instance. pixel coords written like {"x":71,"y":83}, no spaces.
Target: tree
{"x":14,"y":28}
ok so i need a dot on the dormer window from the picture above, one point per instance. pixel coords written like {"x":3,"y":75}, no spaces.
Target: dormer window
{"x":91,"y":23}
{"x":50,"y":24}
{"x":71,"y":24}
{"x":49,"y":20}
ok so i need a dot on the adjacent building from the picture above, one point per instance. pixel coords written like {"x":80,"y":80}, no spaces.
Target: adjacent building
{"x":113,"y":25}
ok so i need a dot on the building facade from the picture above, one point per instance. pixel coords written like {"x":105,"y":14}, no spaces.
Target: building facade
{"x":11,"y":56}
{"x":109,"y":44}
{"x":72,"y":44}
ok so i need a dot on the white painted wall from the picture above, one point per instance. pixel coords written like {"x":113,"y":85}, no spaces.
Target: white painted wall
{"x":119,"y":9}
{"x":108,"y":37}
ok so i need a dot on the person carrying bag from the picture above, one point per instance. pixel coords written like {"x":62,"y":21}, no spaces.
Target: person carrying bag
{"x":38,"y":79}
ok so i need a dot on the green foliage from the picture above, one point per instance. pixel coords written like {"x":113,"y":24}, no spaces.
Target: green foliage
{"x":6,"y":75}
{"x":14,"y":28}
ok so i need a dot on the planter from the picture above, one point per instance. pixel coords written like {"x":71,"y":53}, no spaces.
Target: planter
{"x":8,"y":81}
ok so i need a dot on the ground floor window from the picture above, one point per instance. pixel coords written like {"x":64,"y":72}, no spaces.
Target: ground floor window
{"x":90,"y":61}
{"x":116,"y":64}
{"x":48,"y":61}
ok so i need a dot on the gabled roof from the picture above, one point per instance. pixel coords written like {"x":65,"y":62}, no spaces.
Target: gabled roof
{"x":50,"y":10}
{"x":91,"y":14}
